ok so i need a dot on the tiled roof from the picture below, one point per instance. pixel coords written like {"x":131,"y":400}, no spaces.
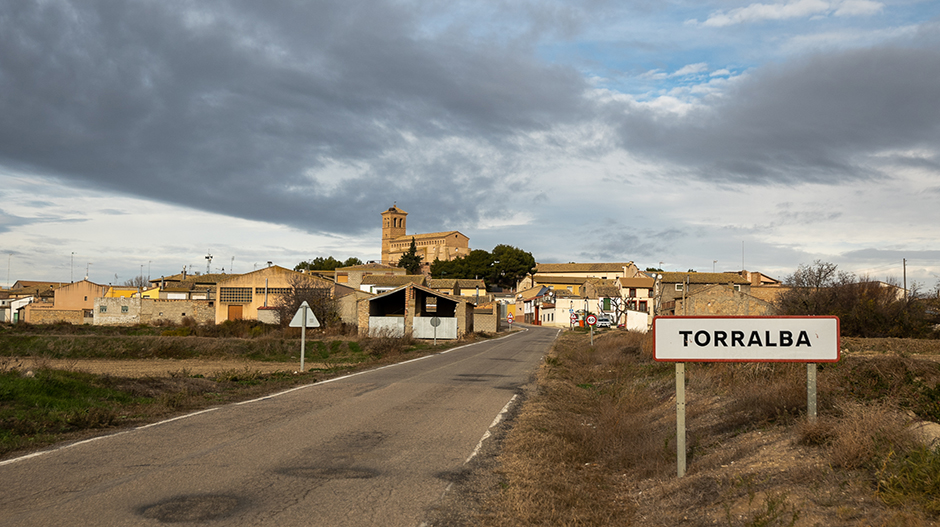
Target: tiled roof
{"x":425,"y":236}
{"x":615,"y":267}
{"x":369,"y":267}
{"x":31,"y":284}
{"x":555,"y":279}
{"x":637,"y":282}
{"x":704,"y":278}
{"x":442,"y":283}
{"x":470,"y":283}
{"x":393,"y":280}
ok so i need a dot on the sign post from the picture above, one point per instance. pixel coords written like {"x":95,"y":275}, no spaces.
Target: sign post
{"x":435,"y":321}
{"x":591,"y":320}
{"x":743,"y":339}
{"x":304,"y":318}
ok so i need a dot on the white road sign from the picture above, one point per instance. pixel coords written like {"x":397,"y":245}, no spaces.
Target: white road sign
{"x":746,"y":339}
{"x":298,"y":320}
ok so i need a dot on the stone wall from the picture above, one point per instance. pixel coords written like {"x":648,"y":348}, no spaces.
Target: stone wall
{"x":48,"y":315}
{"x":722,"y":300}
{"x":131,"y":311}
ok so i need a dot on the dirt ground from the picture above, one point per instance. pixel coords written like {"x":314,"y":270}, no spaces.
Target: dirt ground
{"x":154,"y":367}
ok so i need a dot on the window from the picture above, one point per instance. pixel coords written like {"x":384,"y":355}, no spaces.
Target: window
{"x":737,"y":287}
{"x":643,"y":305}
{"x":271,"y":290}
{"x":606,"y":304}
{"x":86,"y":299}
{"x":123,"y":309}
{"x":632,"y":292}
{"x":679,"y":287}
{"x":102,"y":309}
{"x":237,"y":295}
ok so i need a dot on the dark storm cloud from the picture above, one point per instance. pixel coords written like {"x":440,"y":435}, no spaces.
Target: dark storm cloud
{"x":227,"y":106}
{"x":813,"y":119}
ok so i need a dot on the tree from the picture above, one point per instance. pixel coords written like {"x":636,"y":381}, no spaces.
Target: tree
{"x":410,"y":261}
{"x":504,"y":267}
{"x":510,"y":265}
{"x":326,"y":264}
{"x":865,"y":308}
{"x":137,"y":281}
{"x":317,"y":295}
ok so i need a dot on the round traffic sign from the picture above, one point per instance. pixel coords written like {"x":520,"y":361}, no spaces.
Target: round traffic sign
{"x":510,"y":318}
{"x":591,"y":320}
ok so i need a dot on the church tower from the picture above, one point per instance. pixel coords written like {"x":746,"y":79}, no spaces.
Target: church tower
{"x":393,"y":226}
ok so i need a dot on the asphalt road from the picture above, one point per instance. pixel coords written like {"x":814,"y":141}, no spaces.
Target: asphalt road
{"x":375,"y":448}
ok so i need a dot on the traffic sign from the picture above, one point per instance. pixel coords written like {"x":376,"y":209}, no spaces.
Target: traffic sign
{"x":591,"y":320}
{"x":510,"y":318}
{"x":574,"y":318}
{"x":300,"y":320}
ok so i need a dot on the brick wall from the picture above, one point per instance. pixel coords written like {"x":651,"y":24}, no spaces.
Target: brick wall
{"x":486,"y":320}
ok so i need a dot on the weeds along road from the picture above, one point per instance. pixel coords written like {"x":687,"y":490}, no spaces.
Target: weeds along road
{"x":376,"y":448}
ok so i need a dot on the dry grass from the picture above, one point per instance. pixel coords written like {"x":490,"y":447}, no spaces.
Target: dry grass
{"x":594,"y":444}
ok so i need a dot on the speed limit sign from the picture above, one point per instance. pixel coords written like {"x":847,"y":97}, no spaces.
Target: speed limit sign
{"x":591,"y":320}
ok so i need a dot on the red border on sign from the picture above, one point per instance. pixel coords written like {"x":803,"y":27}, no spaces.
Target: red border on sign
{"x":838,"y":338}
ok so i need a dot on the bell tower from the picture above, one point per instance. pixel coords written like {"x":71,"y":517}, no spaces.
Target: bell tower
{"x":393,"y":226}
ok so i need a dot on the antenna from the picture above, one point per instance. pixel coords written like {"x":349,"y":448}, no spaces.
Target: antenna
{"x":208,"y":261}
{"x":231,"y":267}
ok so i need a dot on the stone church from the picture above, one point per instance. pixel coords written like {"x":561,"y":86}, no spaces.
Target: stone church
{"x":444,"y":246}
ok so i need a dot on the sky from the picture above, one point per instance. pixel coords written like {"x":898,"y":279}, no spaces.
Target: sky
{"x":138,"y":138}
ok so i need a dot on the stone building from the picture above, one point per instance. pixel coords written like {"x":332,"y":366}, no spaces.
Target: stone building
{"x":444,"y":246}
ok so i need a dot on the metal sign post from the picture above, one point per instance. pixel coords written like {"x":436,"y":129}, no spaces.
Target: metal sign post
{"x":680,"y":418}
{"x":304,"y":318}
{"x":435,"y":321}
{"x":591,"y":320}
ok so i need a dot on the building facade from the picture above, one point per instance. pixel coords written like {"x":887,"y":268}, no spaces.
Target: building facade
{"x":444,"y":246}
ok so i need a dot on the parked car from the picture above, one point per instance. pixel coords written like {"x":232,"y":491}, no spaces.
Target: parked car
{"x":604,"y":321}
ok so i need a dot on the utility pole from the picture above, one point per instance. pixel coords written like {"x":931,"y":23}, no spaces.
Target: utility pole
{"x":72,"y":268}
{"x":208,"y":261}
{"x":904,"y":265}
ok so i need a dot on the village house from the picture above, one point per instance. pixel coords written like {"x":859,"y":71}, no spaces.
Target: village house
{"x":412,"y":309}
{"x":253,"y":295}
{"x":352,"y":276}
{"x":725,"y":294}
{"x":378,"y":284}
{"x":73,"y":303}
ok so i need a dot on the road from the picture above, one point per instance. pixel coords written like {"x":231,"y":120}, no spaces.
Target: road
{"x":375,"y":448}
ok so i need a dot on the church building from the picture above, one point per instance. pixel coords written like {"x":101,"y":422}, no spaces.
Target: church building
{"x":444,"y":246}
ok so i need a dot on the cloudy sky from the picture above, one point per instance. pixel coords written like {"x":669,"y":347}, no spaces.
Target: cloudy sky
{"x":138,"y":137}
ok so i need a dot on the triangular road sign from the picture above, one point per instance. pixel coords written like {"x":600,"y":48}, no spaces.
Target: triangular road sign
{"x":298,"y":320}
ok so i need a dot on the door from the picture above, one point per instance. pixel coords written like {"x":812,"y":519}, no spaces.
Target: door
{"x":235,"y":312}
